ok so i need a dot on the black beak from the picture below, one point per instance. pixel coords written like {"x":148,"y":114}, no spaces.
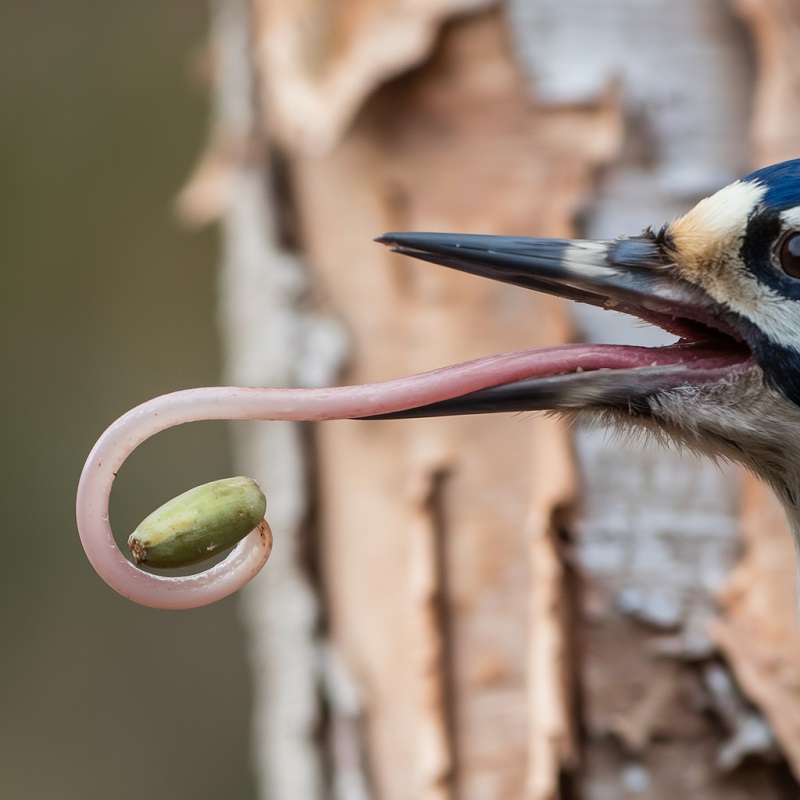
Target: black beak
{"x":632,"y":275}
{"x":602,"y":273}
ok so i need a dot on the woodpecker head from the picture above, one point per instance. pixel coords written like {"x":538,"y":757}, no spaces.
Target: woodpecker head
{"x":724,"y":278}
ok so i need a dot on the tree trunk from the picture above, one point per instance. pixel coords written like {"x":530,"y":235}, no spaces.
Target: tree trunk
{"x":439,"y":622}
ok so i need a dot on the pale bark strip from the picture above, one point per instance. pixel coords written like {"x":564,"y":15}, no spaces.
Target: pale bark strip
{"x":426,"y":594}
{"x":269,"y":342}
{"x":349,"y":779}
{"x":280,"y":606}
{"x":552,"y":669}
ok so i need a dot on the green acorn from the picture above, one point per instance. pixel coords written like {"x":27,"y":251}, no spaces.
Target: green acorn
{"x":198,"y":524}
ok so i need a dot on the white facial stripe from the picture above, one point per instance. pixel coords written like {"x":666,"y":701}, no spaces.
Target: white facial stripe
{"x":718,"y":220}
{"x":773,"y":313}
{"x":707,"y":241}
{"x":776,"y":315}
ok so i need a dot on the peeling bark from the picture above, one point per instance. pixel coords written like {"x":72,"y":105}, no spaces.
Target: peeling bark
{"x":321,"y":59}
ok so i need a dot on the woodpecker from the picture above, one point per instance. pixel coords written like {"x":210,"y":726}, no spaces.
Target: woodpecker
{"x":724,"y":279}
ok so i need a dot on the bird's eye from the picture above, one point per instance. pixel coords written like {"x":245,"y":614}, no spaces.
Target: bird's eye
{"x":789,"y":255}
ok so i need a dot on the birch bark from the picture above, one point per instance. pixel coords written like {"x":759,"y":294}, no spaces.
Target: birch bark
{"x":444,"y":625}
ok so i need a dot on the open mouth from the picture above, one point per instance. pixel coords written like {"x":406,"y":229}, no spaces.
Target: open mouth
{"x":630,"y":275}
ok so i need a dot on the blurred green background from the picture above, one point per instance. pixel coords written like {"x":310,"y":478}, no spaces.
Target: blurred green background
{"x":106,"y":302}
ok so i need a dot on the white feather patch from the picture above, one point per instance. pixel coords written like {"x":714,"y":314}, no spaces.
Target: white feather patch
{"x":715,"y":225}
{"x":791,"y":218}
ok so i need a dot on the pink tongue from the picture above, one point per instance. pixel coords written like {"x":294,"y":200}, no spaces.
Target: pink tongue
{"x":230,"y":402}
{"x":453,"y":381}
